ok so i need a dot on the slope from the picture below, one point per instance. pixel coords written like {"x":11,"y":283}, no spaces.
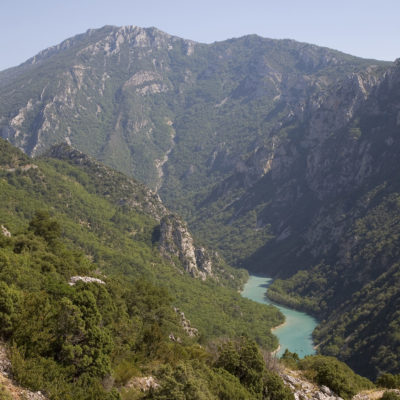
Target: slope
{"x":351,"y":280}
{"x":112,"y":219}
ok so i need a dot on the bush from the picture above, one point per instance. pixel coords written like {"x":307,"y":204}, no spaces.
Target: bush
{"x":389,"y":381}
{"x":390,"y":396}
{"x":275,"y":389}
{"x":242,"y":358}
{"x":290,"y":360}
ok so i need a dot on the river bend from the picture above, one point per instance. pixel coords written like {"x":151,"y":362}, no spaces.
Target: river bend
{"x":295,"y":333}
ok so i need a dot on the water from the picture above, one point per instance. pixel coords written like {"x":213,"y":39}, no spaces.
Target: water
{"x":295,"y":334}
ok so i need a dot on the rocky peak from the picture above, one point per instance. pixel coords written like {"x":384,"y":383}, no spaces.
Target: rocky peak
{"x":176,"y":240}
{"x":75,"y":41}
{"x":109,"y":40}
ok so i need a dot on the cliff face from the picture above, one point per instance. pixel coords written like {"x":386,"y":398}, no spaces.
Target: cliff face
{"x":347,"y":247}
{"x":176,"y":240}
{"x":285,"y":188}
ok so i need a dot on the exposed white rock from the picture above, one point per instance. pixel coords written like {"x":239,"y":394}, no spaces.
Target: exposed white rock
{"x":152,"y":89}
{"x":143,"y":383}
{"x":87,"y":279}
{"x":190,"y":331}
{"x":5,"y":231}
{"x":142,"y":77}
{"x":305,"y":390}
{"x":5,"y":364}
{"x":175,"y":239}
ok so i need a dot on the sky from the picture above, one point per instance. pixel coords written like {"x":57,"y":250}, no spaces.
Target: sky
{"x":365,"y":28}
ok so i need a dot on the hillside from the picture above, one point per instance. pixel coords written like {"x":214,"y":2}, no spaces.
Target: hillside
{"x":352,"y":281}
{"x":113,"y":220}
{"x":89,"y":294}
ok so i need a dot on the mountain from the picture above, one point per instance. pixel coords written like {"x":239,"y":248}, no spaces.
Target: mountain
{"x":280,"y":155}
{"x":183,"y":117}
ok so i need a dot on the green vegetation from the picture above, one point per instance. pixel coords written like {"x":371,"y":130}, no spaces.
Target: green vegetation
{"x":243,"y":359}
{"x":389,"y":381}
{"x":111,"y":219}
{"x":336,"y":375}
{"x":388,"y":395}
{"x":4,"y":393}
{"x":354,"y":306}
{"x":72,"y":216}
{"x":330,"y":372}
{"x":69,"y":341}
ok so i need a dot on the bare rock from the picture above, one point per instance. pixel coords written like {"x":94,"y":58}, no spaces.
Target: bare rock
{"x":5,"y":231}
{"x":176,"y":240}
{"x":306,"y":390}
{"x":5,"y":364}
{"x":143,"y":383}
{"x":190,"y":331}
{"x":87,"y":279}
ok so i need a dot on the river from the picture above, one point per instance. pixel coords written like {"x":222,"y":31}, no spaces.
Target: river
{"x":295,"y":333}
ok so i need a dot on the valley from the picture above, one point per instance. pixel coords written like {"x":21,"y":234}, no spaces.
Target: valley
{"x":163,"y":167}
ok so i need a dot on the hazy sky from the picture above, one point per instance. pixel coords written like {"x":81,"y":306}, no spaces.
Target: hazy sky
{"x":364,"y":28}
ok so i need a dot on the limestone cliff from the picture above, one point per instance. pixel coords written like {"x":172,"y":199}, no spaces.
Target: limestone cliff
{"x":176,"y":240}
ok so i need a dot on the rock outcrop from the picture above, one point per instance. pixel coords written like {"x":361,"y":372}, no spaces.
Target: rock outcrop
{"x":143,"y":383}
{"x":306,"y":390}
{"x":176,"y":240}
{"x":185,"y":323}
{"x":5,"y":231}
{"x":86,"y":279}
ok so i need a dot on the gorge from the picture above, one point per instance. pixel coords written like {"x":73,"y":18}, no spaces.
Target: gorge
{"x":274,"y":155}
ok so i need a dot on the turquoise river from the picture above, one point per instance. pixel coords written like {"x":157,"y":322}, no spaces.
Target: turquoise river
{"x":295,"y":333}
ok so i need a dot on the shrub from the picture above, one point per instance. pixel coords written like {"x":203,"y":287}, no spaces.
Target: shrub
{"x":335,"y":374}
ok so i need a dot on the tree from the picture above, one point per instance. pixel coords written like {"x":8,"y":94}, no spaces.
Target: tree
{"x":42,"y":225}
{"x":243,"y":359}
{"x":85,"y":344}
{"x":7,"y":298}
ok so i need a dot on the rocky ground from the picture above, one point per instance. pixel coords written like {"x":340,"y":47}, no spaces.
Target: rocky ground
{"x":8,"y":388}
{"x":303,"y":389}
